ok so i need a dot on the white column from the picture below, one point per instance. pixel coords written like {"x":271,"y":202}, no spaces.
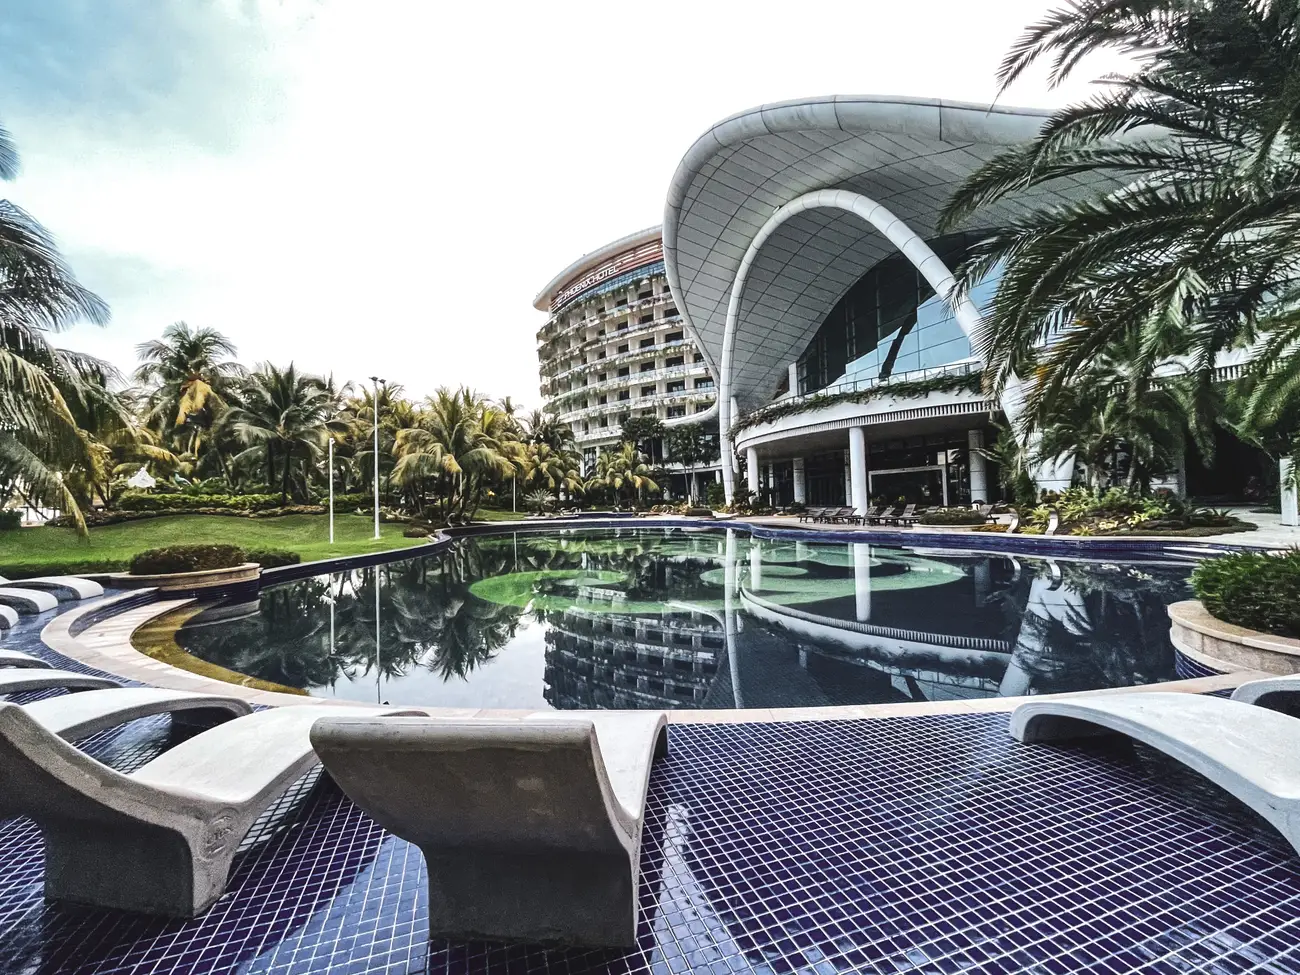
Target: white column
{"x":977,"y":466}
{"x":800,"y":485}
{"x":862,"y":580}
{"x":858,"y":469}
{"x":1290,"y":500}
{"x":755,"y":566}
{"x":751,"y":469}
{"x":794,"y":378}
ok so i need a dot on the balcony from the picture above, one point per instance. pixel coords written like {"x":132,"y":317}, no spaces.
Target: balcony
{"x":694,"y":369}
{"x":631,"y":356}
{"x":553,"y":329}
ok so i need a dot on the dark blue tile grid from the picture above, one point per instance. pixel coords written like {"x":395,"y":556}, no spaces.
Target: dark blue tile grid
{"x":921,"y":844}
{"x":1186,"y":668}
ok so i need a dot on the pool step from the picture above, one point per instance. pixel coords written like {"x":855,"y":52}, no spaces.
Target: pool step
{"x":1193,"y":552}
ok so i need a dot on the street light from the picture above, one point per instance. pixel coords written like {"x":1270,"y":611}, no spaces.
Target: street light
{"x":378,"y":382}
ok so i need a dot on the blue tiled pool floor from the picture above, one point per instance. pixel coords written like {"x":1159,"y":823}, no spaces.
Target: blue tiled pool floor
{"x":915,"y":844}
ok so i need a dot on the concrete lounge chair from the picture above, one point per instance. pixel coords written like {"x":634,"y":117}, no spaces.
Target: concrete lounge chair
{"x":17,"y":680}
{"x":8,"y":617}
{"x":159,"y":840}
{"x":1248,"y":751}
{"x":16,"y":658}
{"x":531,"y":828}
{"x":74,"y":716}
{"x":62,"y":588}
{"x":27,"y":602}
{"x":1276,"y":693}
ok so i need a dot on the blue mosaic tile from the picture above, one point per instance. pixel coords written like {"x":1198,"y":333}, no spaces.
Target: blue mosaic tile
{"x":1187,"y":668}
{"x":915,"y":844}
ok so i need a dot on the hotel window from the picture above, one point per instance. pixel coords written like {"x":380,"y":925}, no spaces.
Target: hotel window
{"x":604,"y":421}
{"x":648,"y":366}
{"x":674,"y":336}
{"x":626,"y":370}
{"x":704,"y":383}
{"x":624,"y":395}
{"x":600,"y":354}
{"x":646,"y":320}
{"x":648,"y":390}
{"x":703,"y":407}
{"x":676,"y":387}
{"x":648,"y":343}
{"x":670,"y":311}
{"x":674,"y":411}
{"x":601,"y":378}
{"x":586,"y":427}
{"x":623,"y":347}
{"x":676,"y":360}
{"x":645,"y":294}
{"x":621,"y":303}
{"x":602,"y":401}
{"x":699,"y":357}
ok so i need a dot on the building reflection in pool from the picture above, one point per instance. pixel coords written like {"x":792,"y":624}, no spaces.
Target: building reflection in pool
{"x":639,"y":618}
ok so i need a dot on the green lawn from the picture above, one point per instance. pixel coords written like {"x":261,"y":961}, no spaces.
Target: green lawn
{"x":52,"y":551}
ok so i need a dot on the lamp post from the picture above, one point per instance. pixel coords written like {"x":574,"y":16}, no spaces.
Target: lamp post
{"x":377,"y":382}
{"x":330,"y":463}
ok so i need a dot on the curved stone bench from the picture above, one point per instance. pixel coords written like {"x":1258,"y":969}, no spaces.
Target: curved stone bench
{"x":73,"y":716}
{"x":1251,"y":752}
{"x":18,"y":659}
{"x":8,"y":617}
{"x":161,"y":839}
{"x":28,"y":602}
{"x":530,"y":827}
{"x":20,"y":680}
{"x":1276,"y":693}
{"x":63,"y":588}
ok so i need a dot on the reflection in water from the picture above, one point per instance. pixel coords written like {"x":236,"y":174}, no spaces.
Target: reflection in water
{"x":638,"y":618}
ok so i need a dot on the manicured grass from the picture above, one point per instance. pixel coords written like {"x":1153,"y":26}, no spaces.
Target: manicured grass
{"x":53,"y":551}
{"x":488,"y":514}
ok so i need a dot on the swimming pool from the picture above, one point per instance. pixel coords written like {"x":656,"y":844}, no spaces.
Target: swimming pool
{"x":655,"y":618}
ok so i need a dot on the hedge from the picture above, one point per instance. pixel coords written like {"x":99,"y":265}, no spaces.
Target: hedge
{"x":242,"y":503}
{"x":952,"y":516}
{"x":1252,"y":589}
{"x":186,"y":558}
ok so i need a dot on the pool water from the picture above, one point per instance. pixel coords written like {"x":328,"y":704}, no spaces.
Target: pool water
{"x":655,"y":618}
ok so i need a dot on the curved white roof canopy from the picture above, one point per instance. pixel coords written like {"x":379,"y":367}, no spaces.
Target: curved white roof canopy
{"x":907,"y":154}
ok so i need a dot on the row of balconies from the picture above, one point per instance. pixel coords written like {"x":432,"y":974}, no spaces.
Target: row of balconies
{"x":637,"y":403}
{"x":547,"y":355}
{"x":693,"y":370}
{"x":617,"y":359}
{"x":559,"y":324}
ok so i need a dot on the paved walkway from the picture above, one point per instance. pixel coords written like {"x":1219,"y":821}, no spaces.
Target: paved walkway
{"x":1270,"y":534}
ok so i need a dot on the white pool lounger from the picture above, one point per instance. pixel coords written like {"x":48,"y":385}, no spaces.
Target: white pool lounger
{"x":16,"y":658}
{"x":530,"y":828}
{"x":1251,"y":752}
{"x":18,"y":680}
{"x":73,"y":716}
{"x":8,"y":617}
{"x":1277,"y":693}
{"x":63,"y":588}
{"x":27,"y":602}
{"x":159,"y":840}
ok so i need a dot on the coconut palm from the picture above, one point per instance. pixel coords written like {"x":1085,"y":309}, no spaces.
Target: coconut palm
{"x":623,"y":469}
{"x":550,"y":470}
{"x":39,"y":384}
{"x":458,"y":446}
{"x":1188,"y":245}
{"x":543,"y":426}
{"x":284,"y":419}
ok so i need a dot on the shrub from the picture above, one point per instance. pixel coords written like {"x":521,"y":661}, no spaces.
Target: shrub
{"x":139,"y":501}
{"x":1252,"y":589}
{"x":10,"y":518}
{"x":186,"y":558}
{"x":270,"y":558}
{"x":952,"y":516}
{"x":416,"y":531}
{"x":539,"y":501}
{"x":715,"y":495}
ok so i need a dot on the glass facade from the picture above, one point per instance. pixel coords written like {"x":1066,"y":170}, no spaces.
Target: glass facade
{"x":891,"y":322}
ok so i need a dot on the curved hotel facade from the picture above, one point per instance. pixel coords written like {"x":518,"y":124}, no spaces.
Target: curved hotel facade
{"x":802,"y":245}
{"x":615,"y":346}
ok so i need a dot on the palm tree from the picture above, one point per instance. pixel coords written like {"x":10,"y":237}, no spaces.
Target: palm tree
{"x":1188,"y":246}
{"x":552,"y":470}
{"x":285,"y":417}
{"x":458,"y":446}
{"x":191,"y":385}
{"x":39,"y":384}
{"x":544,"y":426}
{"x":623,"y":469}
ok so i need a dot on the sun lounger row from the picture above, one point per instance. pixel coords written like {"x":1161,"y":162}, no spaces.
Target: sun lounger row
{"x":531,"y":827}
{"x":28,"y":597}
{"x":878,"y":515}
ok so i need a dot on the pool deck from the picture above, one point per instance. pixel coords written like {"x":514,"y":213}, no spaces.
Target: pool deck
{"x":872,"y":839}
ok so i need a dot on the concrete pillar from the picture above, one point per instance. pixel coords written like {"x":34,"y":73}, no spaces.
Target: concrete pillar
{"x":862,"y":579}
{"x":800,"y":484}
{"x":729,"y":609}
{"x":1290,"y":499}
{"x":755,"y":566}
{"x":751,"y":469}
{"x":858,"y":470}
{"x":977,"y":466}
{"x":793,"y":373}
{"x":1176,"y":480}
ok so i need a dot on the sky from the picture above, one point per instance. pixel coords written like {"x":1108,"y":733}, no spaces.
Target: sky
{"x":382,"y":186}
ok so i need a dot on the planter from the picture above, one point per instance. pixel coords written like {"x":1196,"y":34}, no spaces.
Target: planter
{"x":189,"y":582}
{"x":1226,"y":647}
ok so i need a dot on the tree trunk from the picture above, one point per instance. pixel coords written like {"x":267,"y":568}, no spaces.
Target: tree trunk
{"x":284,"y":483}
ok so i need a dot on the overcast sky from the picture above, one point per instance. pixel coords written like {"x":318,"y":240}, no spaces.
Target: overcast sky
{"x":383,"y":186}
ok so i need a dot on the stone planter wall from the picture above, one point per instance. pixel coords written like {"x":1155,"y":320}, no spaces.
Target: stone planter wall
{"x":947,"y":528}
{"x":1227,"y":648}
{"x":187,"y":582}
